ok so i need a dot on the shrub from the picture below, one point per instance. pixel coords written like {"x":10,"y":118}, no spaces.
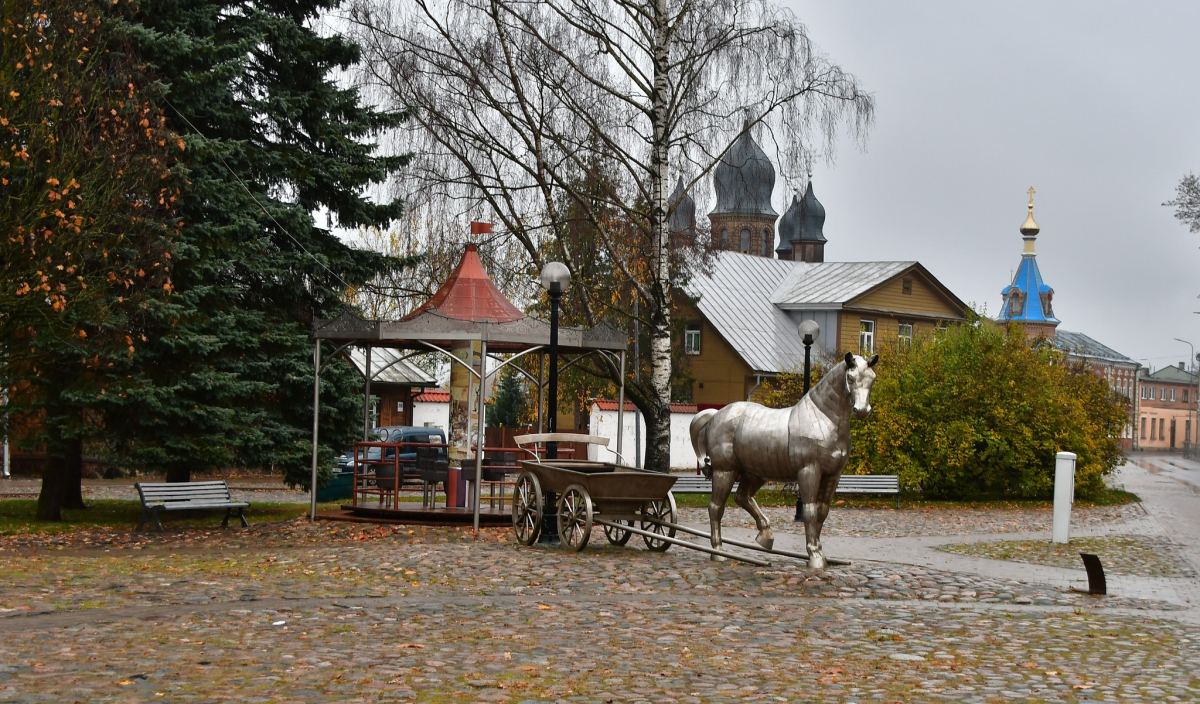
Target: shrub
{"x":979,"y":412}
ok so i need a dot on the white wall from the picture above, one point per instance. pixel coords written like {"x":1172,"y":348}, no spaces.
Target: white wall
{"x":438,"y":414}
{"x":604,"y":424}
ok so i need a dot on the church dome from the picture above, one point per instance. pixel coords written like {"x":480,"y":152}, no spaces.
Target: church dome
{"x":744,"y":179}
{"x":804,"y":221}
{"x":683,"y":210}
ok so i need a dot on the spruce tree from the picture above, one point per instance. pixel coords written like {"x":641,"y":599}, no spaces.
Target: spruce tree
{"x":270,"y":139}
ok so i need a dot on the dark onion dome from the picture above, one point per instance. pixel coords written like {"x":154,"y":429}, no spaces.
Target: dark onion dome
{"x":683,"y":210}
{"x":744,"y":179}
{"x":803,"y":221}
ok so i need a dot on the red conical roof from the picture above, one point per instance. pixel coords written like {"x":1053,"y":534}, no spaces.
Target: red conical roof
{"x":470,"y":295}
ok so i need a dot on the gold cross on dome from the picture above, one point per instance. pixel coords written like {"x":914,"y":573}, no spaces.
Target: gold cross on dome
{"x":1031,"y":192}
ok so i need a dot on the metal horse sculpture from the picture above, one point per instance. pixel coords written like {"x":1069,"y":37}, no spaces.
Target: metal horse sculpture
{"x":809,"y":443}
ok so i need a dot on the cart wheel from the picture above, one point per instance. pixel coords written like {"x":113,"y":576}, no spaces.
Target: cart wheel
{"x":663,"y":511}
{"x":574,"y":518}
{"x":617,"y":536}
{"x":527,"y":509}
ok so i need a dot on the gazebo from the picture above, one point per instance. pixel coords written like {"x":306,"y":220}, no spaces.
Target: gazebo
{"x":469,"y":321}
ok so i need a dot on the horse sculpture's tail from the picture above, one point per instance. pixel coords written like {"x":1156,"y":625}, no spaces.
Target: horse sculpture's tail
{"x":699,"y":432}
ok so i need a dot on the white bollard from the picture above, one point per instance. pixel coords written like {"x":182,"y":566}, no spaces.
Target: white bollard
{"x":1064,"y":495}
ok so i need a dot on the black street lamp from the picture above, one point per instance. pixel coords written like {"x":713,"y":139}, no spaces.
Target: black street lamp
{"x":555,"y":278}
{"x":809,"y":332}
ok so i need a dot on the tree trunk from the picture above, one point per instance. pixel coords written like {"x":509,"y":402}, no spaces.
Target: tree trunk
{"x":72,"y":474}
{"x":49,"y":505}
{"x":179,"y":473}
{"x":658,"y":425}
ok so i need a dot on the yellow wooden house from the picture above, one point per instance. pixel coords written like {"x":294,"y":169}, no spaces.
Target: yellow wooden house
{"x":740,"y":325}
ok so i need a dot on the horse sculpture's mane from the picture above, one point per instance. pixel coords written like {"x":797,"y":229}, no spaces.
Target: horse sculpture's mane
{"x":825,"y":386}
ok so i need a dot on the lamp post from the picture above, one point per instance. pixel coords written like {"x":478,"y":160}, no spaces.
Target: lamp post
{"x":809,"y":332}
{"x":1192,"y":403}
{"x":555,"y":278}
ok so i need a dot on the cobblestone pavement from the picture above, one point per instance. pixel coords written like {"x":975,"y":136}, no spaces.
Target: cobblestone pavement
{"x":292,"y":612}
{"x":1149,"y":556}
{"x":922,"y":521}
{"x":299,"y":613}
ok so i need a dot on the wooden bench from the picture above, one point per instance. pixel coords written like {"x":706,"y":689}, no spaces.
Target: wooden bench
{"x":848,"y":484}
{"x":186,"y":496}
{"x":870,"y":484}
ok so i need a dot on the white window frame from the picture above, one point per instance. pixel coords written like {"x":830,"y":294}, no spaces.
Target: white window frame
{"x":905,"y":340}
{"x":866,"y":337}
{"x":1172,"y":395}
{"x":691,"y":339}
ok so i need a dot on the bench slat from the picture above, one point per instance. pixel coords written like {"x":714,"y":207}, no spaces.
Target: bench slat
{"x":183,"y":506}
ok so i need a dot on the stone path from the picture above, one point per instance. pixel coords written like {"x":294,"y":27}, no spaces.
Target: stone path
{"x":345,"y":613}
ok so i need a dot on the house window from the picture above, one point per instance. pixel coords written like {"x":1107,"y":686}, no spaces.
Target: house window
{"x":906,"y":287}
{"x":768,"y":241}
{"x":905,"y":335}
{"x":1162,"y":394}
{"x":724,"y":238}
{"x":1153,"y":427}
{"x":1187,"y":431}
{"x":1162,"y":426}
{"x":691,"y":339}
{"x":744,"y":244}
{"x":1172,"y":395}
{"x":1143,"y":427}
{"x":866,"y":336}
{"x":1185,"y":395}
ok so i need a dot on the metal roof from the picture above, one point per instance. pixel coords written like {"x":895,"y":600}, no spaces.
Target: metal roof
{"x":746,"y":297}
{"x":1080,"y":345}
{"x":1172,"y":374}
{"x":815,"y":285}
{"x":1029,"y":308}
{"x":736,"y":300}
{"x":388,"y":367}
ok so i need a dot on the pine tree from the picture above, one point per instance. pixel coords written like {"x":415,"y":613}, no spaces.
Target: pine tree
{"x":508,"y":405}
{"x":271,"y":138}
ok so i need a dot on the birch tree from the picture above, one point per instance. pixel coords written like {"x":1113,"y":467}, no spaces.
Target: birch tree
{"x":533,"y":113}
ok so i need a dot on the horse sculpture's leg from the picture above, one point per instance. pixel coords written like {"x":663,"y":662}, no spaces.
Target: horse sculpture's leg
{"x":722,"y":485}
{"x":809,"y":481}
{"x":744,"y":497}
{"x":829,"y":484}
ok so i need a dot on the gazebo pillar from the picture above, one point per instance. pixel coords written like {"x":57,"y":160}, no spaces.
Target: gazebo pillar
{"x":462,"y":411}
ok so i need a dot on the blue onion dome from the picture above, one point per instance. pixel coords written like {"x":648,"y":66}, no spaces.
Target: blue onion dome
{"x":682,"y":208}
{"x":744,"y":179}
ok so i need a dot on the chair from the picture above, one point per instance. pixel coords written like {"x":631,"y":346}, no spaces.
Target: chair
{"x":495,"y":471}
{"x":433,"y":469}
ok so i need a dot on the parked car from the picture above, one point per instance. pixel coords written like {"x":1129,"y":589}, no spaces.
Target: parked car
{"x":397,"y":434}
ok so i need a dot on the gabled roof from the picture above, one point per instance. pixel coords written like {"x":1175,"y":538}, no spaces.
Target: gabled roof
{"x":607,"y":404}
{"x":1172,"y":375}
{"x":746,"y":297}
{"x":1080,"y":345}
{"x":469,"y":294}
{"x":388,"y":367}
{"x":736,"y":300}
{"x":812,"y":285}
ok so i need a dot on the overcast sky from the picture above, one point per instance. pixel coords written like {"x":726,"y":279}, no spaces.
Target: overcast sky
{"x":1094,"y":104}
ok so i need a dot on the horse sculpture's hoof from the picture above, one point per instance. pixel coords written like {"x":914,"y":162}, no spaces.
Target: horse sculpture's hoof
{"x":766,"y":541}
{"x":717,"y":558}
{"x":816,"y":561}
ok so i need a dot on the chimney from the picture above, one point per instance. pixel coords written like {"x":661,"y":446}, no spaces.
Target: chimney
{"x":1181,"y":365}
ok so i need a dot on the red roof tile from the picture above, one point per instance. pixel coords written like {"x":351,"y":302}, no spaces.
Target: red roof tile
{"x":432,"y":397}
{"x":470,"y":295}
{"x":605,"y":404}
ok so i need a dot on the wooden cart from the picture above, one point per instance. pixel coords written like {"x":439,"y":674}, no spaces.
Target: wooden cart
{"x":625,"y":500}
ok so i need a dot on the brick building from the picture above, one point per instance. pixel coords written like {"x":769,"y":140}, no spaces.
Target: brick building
{"x":1166,"y":413}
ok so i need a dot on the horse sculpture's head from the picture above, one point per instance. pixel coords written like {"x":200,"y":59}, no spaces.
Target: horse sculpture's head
{"x":859,"y":378}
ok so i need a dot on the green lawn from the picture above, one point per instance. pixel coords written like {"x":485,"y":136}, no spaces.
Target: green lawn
{"x":16,"y":516}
